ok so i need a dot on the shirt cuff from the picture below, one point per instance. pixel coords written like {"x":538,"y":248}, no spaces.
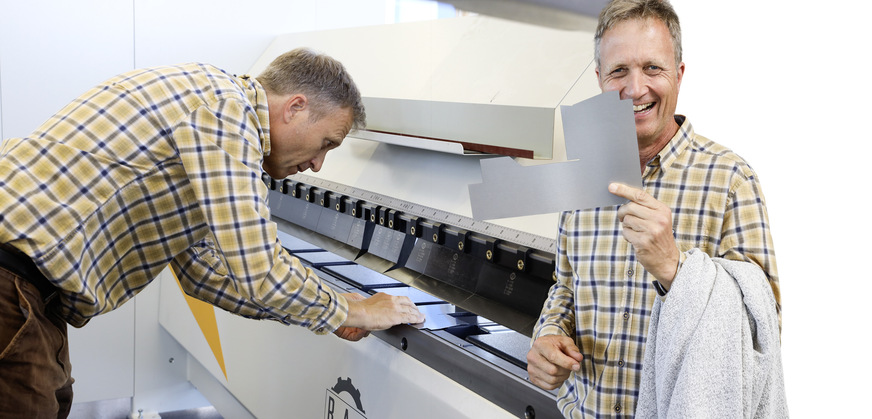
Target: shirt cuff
{"x":550,"y":329}
{"x":335,"y":319}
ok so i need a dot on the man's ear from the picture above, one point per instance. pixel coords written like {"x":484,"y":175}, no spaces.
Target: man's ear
{"x":680,"y":73}
{"x":599,"y":81}
{"x":294,"y":104}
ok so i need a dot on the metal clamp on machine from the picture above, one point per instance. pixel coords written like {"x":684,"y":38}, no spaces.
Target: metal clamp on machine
{"x":511,"y":275}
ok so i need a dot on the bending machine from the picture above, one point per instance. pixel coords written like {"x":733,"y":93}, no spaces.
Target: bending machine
{"x":389,"y":212}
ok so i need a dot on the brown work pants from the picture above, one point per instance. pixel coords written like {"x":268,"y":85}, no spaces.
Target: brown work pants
{"x":35,"y":379}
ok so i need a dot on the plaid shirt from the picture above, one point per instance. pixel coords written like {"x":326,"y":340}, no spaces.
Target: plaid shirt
{"x":603,"y":296}
{"x":152,"y":167}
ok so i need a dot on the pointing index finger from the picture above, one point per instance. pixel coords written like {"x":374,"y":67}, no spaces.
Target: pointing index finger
{"x":636,"y":195}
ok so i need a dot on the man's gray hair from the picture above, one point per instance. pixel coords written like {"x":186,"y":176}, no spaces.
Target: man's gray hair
{"x":618,"y":11}
{"x":323,"y":79}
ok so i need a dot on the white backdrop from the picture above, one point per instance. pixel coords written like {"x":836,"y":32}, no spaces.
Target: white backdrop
{"x":781,"y":82}
{"x":785,"y":84}
{"x":51,"y":51}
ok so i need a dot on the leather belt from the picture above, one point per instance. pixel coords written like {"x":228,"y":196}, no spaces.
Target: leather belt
{"x":21,"y":265}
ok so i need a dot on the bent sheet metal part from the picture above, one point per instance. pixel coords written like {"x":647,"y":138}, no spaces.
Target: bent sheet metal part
{"x":601,"y":148}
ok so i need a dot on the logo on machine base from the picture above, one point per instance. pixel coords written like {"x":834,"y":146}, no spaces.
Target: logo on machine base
{"x":337,"y":407}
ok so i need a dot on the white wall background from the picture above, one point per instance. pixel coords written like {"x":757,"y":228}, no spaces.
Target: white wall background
{"x":783,"y":83}
{"x":53,"y":50}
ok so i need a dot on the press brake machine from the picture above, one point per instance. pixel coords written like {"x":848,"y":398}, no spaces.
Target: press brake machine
{"x":389,"y":212}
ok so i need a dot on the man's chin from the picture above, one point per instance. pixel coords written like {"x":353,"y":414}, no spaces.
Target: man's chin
{"x":645,"y":132}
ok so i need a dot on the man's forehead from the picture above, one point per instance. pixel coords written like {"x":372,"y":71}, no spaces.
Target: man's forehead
{"x":633,"y":40}
{"x":635,"y":30}
{"x":348,"y":121}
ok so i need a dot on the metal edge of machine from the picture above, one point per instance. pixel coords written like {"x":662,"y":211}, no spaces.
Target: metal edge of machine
{"x":495,"y":278}
{"x":315,"y":214}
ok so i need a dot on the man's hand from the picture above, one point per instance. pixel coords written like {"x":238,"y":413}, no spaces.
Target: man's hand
{"x":551,"y":359}
{"x":353,"y":334}
{"x":647,"y":225}
{"x":380,"y":312}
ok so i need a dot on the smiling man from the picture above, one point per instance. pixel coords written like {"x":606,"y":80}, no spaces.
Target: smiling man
{"x":162,"y":166}
{"x":638,"y":60}
{"x":700,"y":203}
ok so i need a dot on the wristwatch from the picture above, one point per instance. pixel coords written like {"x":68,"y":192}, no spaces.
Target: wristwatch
{"x":659,"y":287}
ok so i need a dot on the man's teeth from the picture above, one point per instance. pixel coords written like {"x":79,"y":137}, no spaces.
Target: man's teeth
{"x":639,"y":108}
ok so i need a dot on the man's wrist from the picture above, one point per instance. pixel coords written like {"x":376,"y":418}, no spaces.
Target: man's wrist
{"x":662,"y":287}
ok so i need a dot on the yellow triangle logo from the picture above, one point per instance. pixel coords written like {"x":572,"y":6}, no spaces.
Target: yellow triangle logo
{"x":204,"y":313}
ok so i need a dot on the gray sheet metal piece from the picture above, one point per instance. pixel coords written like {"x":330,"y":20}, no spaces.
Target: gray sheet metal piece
{"x":601,"y":146}
{"x":363,"y":277}
{"x":417,"y":296}
{"x":437,"y":317}
{"x":293,"y":244}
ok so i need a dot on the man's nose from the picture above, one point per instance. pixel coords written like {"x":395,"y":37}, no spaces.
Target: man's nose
{"x":634,"y":86}
{"x":315,"y":164}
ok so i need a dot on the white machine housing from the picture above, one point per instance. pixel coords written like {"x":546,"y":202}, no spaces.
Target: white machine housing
{"x":431,"y":89}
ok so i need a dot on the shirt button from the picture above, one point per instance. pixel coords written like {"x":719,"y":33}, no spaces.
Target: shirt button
{"x":626,"y":315}
{"x":320,"y":330}
{"x":621,"y":363}
{"x":617,"y":408}
{"x":630,"y":273}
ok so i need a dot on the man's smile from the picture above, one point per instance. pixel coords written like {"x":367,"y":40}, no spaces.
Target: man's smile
{"x":643,"y":107}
